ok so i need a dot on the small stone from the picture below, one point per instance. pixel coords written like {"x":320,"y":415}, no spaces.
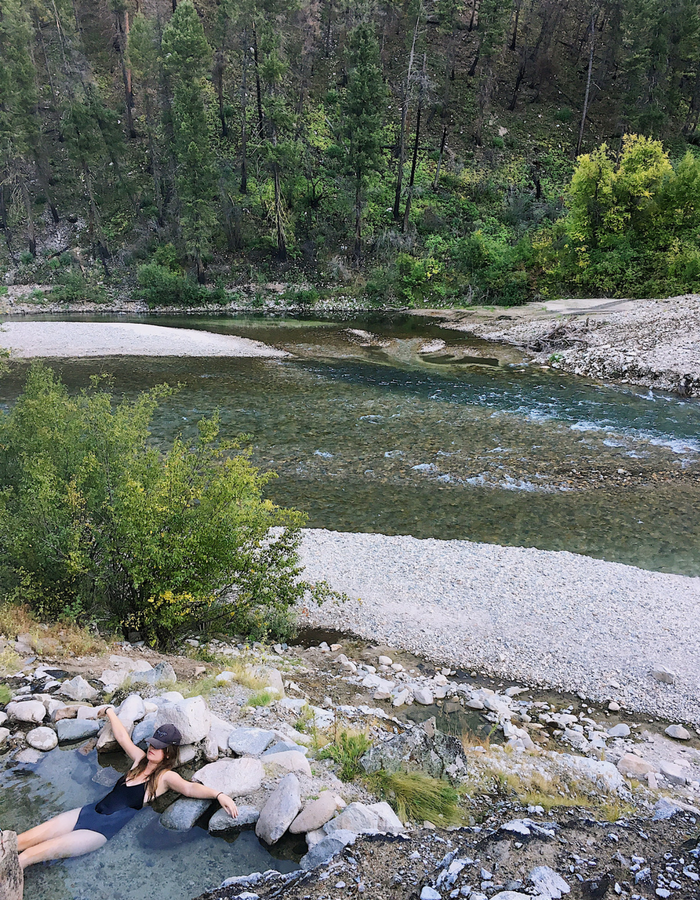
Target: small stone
{"x":614,"y":706}
{"x":546,"y":881}
{"x":326,"y":849}
{"x":620,"y":730}
{"x":428,"y":893}
{"x":673,"y":772}
{"x":474,"y":704}
{"x":385,"y":660}
{"x":423,"y":695}
{"x":678,"y":733}
{"x":42,"y":738}
{"x":315,"y":814}
{"x":663,"y":674}
{"x":633,"y":766}
{"x":280,"y":810}
{"x":199,"y":671}
{"x":28,"y":756}
{"x":4,"y":735}
{"x":250,"y":741}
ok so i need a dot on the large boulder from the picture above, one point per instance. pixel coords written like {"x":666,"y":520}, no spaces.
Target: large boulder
{"x":78,"y":689}
{"x":222,"y":823}
{"x":235,"y":777}
{"x":249,"y":741}
{"x":633,"y":766}
{"x":11,"y":876}
{"x":356,"y":817}
{"x":283,"y":746}
{"x":144,"y":729}
{"x":183,"y":813}
{"x":389,"y":822}
{"x":603,"y":774}
{"x":76,"y":729}
{"x":438,"y":755}
{"x":291,"y":760}
{"x":280,"y":810}
{"x":326,"y":849}
{"x":26,"y":711}
{"x":162,"y":673}
{"x":219,"y":733}
{"x":315,"y":814}
{"x":42,"y":738}
{"x":191,"y":717}
{"x":132,"y":709}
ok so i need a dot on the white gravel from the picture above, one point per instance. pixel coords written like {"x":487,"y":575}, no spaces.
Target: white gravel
{"x":73,"y":339}
{"x":546,"y":618}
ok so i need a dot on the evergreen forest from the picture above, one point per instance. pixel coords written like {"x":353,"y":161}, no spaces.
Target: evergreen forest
{"x":400,"y":152}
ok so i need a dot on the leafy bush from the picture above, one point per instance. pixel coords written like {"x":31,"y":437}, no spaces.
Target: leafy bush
{"x":93,"y":516}
{"x":564,"y":114}
{"x":5,"y":695}
{"x":161,"y":286}
{"x":26,"y":258}
{"x":73,"y":287}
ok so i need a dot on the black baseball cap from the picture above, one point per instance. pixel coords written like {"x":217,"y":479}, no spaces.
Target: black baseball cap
{"x":165,"y":736}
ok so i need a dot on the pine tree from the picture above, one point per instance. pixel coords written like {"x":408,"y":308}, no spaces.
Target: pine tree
{"x":187,"y":60}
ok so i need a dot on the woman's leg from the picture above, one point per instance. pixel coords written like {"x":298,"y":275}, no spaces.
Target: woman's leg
{"x":56,"y":827}
{"x":75,"y":843}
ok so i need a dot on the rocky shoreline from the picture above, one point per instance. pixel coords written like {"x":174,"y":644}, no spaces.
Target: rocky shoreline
{"x":654,"y":343}
{"x":560,"y":797}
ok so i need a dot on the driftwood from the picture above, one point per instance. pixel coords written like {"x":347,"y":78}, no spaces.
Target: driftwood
{"x":11,"y":875}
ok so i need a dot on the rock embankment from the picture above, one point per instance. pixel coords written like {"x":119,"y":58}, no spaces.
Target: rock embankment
{"x":655,"y":343}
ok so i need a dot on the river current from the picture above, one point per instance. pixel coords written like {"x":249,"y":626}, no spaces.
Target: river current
{"x":395,"y":425}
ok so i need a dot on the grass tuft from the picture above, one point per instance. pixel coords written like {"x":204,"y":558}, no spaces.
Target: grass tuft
{"x":418,"y":797}
{"x":5,"y":695}
{"x":55,"y":639}
{"x":261,"y":698}
{"x":347,"y":750}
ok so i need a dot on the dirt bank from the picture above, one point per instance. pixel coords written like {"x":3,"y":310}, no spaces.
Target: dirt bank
{"x":655,"y":343}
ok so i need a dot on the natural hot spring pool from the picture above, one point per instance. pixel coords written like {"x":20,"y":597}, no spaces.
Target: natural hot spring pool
{"x":144,"y":860}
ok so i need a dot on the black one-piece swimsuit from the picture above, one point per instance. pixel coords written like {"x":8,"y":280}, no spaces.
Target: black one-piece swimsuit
{"x":112,"y":813}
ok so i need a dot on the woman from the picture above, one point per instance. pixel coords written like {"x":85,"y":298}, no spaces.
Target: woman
{"x":87,"y":828}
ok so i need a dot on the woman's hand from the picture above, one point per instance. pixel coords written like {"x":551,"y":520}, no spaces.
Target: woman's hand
{"x":102,"y":713}
{"x":228,"y":804}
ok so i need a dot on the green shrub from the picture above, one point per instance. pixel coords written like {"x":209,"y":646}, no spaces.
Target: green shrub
{"x":347,"y":750}
{"x":73,"y":287}
{"x":4,"y":290}
{"x":160,"y":286}
{"x":498,"y":142}
{"x":5,"y":695}
{"x":158,"y":542}
{"x":261,"y":698}
{"x":26,"y":258}
{"x":564,"y":114}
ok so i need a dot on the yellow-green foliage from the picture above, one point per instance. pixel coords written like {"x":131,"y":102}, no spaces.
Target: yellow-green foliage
{"x":261,"y":698}
{"x":347,"y":750}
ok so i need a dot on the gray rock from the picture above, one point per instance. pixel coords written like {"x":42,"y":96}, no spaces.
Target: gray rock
{"x":161,"y":673}
{"x":42,"y":738}
{"x":548,"y":883}
{"x":428,"y":893}
{"x":664,"y":675}
{"x":620,"y":730}
{"x":191,"y":717}
{"x":144,"y":729}
{"x":235,"y":777}
{"x":326,"y":849}
{"x":76,"y":729}
{"x":665,"y":809}
{"x":183,"y":813}
{"x":26,"y":711}
{"x":423,"y":695}
{"x":221,"y":822}
{"x":356,"y":817}
{"x":389,"y":822}
{"x":78,"y":689}
{"x":290,"y":760}
{"x":283,"y":746}
{"x":4,"y":735}
{"x":219,"y":732}
{"x":678,"y":733}
{"x":439,"y":755}
{"x":132,"y":709}
{"x":315,"y":814}
{"x":633,"y":766}
{"x":250,"y":741}
{"x":29,"y":756}
{"x":673,"y":772}
{"x":504,"y":895}
{"x":280,"y":810}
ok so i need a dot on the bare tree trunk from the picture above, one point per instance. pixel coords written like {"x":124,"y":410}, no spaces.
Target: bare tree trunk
{"x":258,"y":89}
{"x":219,"y":82}
{"x":27,"y":200}
{"x":588,"y":85}
{"x":515,"y":25}
{"x":327,"y":49}
{"x":122,"y":38}
{"x":439,"y":160}
{"x":412,"y":178}
{"x":244,"y":118}
{"x":404,"y":116}
{"x":279,"y":222}
{"x":358,"y":219}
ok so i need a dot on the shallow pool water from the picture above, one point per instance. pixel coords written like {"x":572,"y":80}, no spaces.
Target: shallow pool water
{"x":368,"y":433}
{"x":144,"y":860}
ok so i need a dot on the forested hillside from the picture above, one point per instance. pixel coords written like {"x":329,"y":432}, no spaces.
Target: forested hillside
{"x":415,"y":152}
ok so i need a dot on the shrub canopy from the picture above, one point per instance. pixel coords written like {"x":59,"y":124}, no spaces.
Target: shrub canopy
{"x":96,"y":520}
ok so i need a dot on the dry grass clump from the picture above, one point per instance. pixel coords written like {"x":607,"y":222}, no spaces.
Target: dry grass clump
{"x":418,"y":797}
{"x":54,"y":639}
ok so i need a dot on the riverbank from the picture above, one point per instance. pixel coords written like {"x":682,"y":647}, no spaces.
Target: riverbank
{"x":80,"y":339}
{"x":655,"y":343}
{"x":552,"y":619}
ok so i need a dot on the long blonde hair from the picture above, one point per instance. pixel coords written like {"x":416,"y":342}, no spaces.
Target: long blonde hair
{"x":168,"y":762}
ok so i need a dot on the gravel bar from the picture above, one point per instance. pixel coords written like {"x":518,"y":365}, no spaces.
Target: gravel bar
{"x":68,"y":340}
{"x":550,"y":619}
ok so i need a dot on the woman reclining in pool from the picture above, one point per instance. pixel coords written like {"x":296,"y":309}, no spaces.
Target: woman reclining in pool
{"x":87,"y":828}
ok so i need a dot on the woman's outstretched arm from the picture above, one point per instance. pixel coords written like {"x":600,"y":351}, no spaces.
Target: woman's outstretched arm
{"x":200,"y":791}
{"x":122,"y":736}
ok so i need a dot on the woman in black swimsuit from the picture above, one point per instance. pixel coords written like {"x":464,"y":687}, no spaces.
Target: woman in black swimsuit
{"x":89,"y":827}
